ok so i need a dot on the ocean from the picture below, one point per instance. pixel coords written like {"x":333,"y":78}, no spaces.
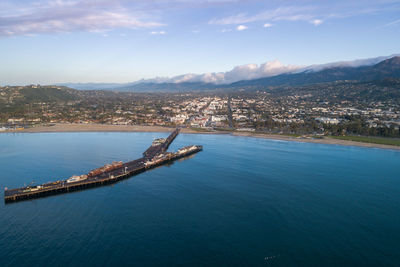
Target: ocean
{"x":240,"y":202}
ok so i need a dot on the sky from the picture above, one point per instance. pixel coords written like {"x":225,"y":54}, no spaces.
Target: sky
{"x":60,"y":41}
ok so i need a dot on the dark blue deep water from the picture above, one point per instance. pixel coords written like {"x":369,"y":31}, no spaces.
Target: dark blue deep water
{"x":240,"y":202}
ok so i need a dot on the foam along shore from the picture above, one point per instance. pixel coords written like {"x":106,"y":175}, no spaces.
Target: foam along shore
{"x":75,"y":127}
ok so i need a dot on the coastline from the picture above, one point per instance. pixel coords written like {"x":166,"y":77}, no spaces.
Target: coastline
{"x":325,"y":140}
{"x":135,"y":128}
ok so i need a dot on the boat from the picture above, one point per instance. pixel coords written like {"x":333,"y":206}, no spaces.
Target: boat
{"x":77,"y":178}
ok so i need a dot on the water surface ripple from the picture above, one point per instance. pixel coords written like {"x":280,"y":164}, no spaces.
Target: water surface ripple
{"x":240,"y":202}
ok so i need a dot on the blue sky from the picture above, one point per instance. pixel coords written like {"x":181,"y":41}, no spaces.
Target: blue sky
{"x":121,"y":41}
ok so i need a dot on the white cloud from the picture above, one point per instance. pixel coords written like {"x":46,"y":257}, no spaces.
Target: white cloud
{"x":255,"y":71}
{"x":55,"y":16}
{"x":291,"y":13}
{"x":392,"y":23}
{"x":243,"y":72}
{"x":314,"y":13}
{"x":241,"y":28}
{"x":351,"y":63}
{"x":316,"y":22}
{"x":267,"y":25}
{"x":158,"y":32}
{"x":67,"y":16}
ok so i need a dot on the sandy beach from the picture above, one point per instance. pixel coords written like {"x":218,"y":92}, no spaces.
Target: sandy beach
{"x":325,"y":140}
{"x":137,"y":128}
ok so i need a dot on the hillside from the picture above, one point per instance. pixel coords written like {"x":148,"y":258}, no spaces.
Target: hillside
{"x":32,"y":93}
{"x":372,"y":91}
{"x":16,"y":98}
{"x":389,"y":68}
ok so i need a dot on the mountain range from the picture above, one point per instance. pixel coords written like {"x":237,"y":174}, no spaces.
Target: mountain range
{"x":360,"y":70}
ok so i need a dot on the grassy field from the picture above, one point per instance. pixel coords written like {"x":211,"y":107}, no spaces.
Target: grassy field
{"x":291,"y":135}
{"x":369,"y":139}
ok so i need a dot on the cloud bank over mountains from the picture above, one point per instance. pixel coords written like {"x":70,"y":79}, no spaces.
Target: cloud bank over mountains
{"x":239,"y":73}
{"x":351,"y":63}
{"x":243,"y":72}
{"x":255,"y":71}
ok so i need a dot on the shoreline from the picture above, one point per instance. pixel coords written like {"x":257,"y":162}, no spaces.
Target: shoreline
{"x":136,"y":128}
{"x":325,"y":140}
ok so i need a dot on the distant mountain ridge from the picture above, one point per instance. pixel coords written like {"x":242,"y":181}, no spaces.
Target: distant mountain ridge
{"x":387,"y":68}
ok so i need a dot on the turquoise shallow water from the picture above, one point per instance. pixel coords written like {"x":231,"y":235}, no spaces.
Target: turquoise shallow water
{"x":240,"y":202}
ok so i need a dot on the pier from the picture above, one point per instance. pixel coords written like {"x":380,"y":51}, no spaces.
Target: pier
{"x":154,"y":156}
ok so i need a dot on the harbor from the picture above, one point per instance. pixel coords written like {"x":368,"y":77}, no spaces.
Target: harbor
{"x":155,"y":155}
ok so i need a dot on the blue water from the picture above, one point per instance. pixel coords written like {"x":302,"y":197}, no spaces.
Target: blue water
{"x":240,"y":202}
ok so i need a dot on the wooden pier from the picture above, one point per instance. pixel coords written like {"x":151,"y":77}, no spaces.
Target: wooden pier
{"x":154,"y":156}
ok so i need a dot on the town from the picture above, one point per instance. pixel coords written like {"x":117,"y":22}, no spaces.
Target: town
{"x":326,"y":109}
